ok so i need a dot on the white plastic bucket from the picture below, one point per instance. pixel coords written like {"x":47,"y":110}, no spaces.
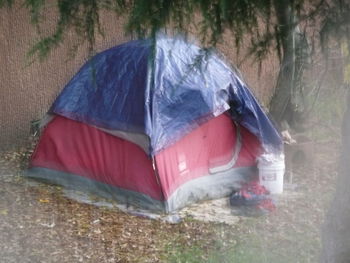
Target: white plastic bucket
{"x":271,"y":174}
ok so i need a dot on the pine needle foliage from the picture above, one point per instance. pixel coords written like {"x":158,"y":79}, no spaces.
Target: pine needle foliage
{"x":82,"y":16}
{"x":211,"y":18}
{"x":264,"y":23}
{"x":7,"y":3}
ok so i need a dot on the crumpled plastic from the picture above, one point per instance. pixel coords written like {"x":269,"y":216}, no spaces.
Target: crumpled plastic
{"x":252,"y":200}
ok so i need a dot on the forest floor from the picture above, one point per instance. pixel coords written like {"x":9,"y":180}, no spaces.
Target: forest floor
{"x":38,"y":223}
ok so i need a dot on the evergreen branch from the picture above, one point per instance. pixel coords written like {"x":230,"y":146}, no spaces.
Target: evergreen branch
{"x":7,"y":3}
{"x":34,"y":7}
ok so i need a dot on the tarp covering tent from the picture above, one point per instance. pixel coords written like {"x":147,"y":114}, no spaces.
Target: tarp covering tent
{"x":158,"y":124}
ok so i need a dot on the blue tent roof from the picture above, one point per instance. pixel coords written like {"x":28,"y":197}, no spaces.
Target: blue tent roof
{"x":163,"y":89}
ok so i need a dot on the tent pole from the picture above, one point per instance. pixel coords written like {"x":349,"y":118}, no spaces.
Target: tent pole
{"x":155,"y":169}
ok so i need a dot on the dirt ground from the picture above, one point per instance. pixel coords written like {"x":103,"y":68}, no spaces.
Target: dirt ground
{"x":38,"y":223}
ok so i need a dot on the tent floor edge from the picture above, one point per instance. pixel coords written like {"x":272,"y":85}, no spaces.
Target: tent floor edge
{"x":203,"y":188}
{"x":80,"y":183}
{"x":210,"y":187}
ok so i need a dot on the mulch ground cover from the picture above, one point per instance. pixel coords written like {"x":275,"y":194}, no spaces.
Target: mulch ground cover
{"x":39,"y":224}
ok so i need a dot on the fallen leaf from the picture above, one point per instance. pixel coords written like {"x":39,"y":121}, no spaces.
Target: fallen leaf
{"x":48,"y":225}
{"x":4,"y":212}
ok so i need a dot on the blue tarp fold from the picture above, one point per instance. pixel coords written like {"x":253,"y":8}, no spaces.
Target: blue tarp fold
{"x":164,"y":89}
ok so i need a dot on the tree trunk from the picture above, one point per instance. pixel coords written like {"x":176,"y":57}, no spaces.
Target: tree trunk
{"x":336,"y":232}
{"x":280,"y":104}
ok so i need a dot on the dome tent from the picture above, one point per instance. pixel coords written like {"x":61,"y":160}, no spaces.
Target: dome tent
{"x":151,"y":123}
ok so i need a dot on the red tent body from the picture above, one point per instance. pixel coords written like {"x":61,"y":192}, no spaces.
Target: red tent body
{"x":207,"y":163}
